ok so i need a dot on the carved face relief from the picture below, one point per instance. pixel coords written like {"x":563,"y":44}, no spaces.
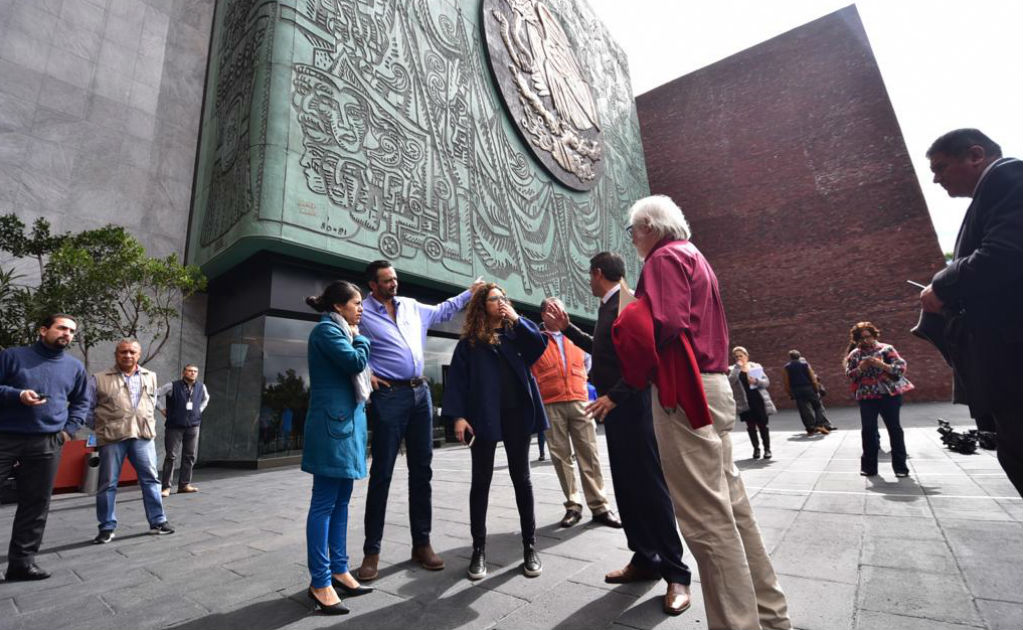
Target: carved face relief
{"x":545,"y":89}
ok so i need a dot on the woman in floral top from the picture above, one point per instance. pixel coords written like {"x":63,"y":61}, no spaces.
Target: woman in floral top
{"x":876,"y":371}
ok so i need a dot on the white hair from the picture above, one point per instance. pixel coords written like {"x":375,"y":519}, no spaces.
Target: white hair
{"x":662,"y":216}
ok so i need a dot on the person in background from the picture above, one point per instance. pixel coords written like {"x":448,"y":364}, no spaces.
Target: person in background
{"x":493,"y":398}
{"x":878,"y":381}
{"x":752,"y":402}
{"x":802,"y":385}
{"x":181,"y":402}
{"x":334,"y":445}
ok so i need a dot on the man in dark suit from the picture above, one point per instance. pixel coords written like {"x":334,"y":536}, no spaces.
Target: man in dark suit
{"x":643,"y":502}
{"x":980,"y":293}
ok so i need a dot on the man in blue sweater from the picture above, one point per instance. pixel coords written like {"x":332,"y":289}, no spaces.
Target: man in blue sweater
{"x":43,"y":402}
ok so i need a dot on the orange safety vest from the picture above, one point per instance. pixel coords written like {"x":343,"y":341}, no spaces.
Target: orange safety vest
{"x":556,"y":383}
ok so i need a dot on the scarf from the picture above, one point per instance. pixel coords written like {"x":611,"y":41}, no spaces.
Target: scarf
{"x":361,"y":380}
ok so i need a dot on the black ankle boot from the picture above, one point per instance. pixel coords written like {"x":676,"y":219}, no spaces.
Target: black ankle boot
{"x":531,"y":565}
{"x":478,"y":564}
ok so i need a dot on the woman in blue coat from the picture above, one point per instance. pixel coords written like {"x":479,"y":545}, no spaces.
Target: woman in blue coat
{"x":335,"y":439}
{"x":493,"y":397}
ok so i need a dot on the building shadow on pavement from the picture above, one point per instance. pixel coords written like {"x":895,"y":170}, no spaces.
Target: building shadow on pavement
{"x":905,"y":490}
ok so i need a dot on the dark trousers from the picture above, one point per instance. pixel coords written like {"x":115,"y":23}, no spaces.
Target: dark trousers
{"x":38,"y":457}
{"x":640,"y":491}
{"x":400,"y":413}
{"x":765,"y":433}
{"x":888,"y":408}
{"x":185,"y":439}
{"x":516,"y":449}
{"x":811,"y":411}
{"x":1009,"y":427}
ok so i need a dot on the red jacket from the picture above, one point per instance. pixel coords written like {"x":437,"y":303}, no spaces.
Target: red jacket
{"x":673,"y":367}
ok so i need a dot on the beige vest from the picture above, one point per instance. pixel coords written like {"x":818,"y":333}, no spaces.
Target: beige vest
{"x":115,"y":418}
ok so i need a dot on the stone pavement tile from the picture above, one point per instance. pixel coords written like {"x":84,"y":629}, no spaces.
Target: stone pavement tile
{"x":772,"y":537}
{"x":60,"y":577}
{"x":833,"y":557}
{"x":778,"y":499}
{"x":1001,"y":615}
{"x":187,"y":562}
{"x":156,"y":613}
{"x":914,"y":594}
{"x":127,"y":598}
{"x":7,"y":608}
{"x":647,"y":612}
{"x":261,"y":563}
{"x":268,"y":611}
{"x":989,"y":555}
{"x":793,"y":480}
{"x":227,"y":596}
{"x":836,"y":503}
{"x":568,"y":606}
{"x":805,"y":595}
{"x":930,"y":556}
{"x":84,"y":613}
{"x":897,"y":505}
{"x":971,"y":509}
{"x":902,"y":527}
{"x":841,"y":481}
{"x":508,"y":578}
{"x":42,"y":598}
{"x":593,"y":575}
{"x":1012,"y":507}
{"x":872,"y":620}
{"x":776,"y":518}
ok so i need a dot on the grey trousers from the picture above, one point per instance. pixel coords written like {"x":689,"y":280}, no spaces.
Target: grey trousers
{"x":187,"y":440}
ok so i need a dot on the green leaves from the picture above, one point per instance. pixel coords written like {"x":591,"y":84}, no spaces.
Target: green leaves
{"x":105,"y":279}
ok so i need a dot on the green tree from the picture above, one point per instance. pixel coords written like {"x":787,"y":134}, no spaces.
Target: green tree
{"x":105,"y":279}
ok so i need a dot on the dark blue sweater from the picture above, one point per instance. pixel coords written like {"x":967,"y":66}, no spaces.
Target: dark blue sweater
{"x":52,"y":372}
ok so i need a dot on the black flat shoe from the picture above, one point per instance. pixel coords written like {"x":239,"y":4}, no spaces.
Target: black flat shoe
{"x":333,"y":609}
{"x":348,"y":591}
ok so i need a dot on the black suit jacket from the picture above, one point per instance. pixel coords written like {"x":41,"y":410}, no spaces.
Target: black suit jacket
{"x":606,"y":372}
{"x":983,"y":294}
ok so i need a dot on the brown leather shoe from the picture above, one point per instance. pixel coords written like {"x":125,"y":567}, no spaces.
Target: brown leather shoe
{"x":165,"y":492}
{"x":608,"y":518}
{"x":823,"y":430}
{"x":630,"y":574}
{"x":677,"y":600}
{"x":368,"y":571}
{"x":425,"y":556}
{"x":571,"y":517}
{"x":187,"y":489}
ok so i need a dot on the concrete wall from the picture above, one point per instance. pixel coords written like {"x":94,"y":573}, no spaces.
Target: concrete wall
{"x":790,"y":165}
{"x":99,"y":119}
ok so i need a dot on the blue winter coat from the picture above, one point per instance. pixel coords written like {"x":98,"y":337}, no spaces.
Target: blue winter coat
{"x":335,"y":426}
{"x":473,"y":388}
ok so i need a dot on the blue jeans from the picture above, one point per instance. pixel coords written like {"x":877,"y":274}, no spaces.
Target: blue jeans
{"x":326,"y":529}
{"x":142,"y":455}
{"x":888,"y":408}
{"x":400,"y":412}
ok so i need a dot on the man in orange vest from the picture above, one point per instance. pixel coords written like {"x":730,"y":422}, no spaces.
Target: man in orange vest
{"x":561,"y":375}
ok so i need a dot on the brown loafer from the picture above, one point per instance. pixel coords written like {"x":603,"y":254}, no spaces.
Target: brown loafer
{"x":571,"y":518}
{"x":187,"y":489}
{"x":425,"y":556}
{"x":165,"y":492}
{"x":677,"y":599}
{"x":368,"y":571}
{"x":630,"y":574}
{"x":609,"y":519}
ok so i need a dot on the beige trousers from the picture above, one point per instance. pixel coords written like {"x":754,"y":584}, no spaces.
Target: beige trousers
{"x":740,"y":588}
{"x":572,"y":428}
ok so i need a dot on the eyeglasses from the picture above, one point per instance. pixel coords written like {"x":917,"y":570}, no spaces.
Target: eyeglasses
{"x":497,"y":298}
{"x":629,"y":229}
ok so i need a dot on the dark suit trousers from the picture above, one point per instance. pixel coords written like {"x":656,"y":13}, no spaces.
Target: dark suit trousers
{"x":640,"y":491}
{"x":38,"y":456}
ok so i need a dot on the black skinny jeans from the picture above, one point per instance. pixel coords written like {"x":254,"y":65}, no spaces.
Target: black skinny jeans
{"x":516,"y":447}
{"x":888,"y":408}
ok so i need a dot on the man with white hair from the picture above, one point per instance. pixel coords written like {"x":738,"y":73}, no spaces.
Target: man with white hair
{"x":679,"y":289}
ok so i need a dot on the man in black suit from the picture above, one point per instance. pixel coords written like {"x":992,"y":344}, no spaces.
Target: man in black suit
{"x":980,"y":293}
{"x":643,"y":502}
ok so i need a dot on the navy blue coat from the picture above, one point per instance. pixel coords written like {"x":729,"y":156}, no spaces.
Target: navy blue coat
{"x":473,"y":388}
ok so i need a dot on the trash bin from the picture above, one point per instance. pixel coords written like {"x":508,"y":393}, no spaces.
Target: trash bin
{"x":90,"y":474}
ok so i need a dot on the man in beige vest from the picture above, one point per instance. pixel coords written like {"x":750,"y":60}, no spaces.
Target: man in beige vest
{"x":125,"y":424}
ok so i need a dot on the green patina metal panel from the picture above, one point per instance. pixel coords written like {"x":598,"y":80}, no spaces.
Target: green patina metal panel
{"x":343,"y":131}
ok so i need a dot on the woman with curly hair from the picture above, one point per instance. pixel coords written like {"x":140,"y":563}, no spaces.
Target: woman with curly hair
{"x":878,"y":382}
{"x":493,"y":398}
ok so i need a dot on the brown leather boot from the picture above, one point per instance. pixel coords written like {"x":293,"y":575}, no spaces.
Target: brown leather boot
{"x":368,"y":571}
{"x":425,"y":556}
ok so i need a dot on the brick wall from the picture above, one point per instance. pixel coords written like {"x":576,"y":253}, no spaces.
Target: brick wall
{"x":790,"y":165}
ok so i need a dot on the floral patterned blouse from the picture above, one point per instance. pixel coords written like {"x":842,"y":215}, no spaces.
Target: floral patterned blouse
{"x":875,"y":382}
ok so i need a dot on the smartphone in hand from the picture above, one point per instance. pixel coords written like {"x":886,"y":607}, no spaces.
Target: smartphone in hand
{"x":469,"y":437}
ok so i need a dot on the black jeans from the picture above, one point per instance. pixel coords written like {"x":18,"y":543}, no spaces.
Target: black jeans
{"x":888,"y":408}
{"x":38,"y":457}
{"x":187,"y":440}
{"x":811,"y":411}
{"x":516,"y":448}
{"x":644,"y":504}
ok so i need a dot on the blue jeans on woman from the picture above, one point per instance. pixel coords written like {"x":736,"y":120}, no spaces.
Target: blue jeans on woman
{"x":888,"y":408}
{"x":326,"y":529}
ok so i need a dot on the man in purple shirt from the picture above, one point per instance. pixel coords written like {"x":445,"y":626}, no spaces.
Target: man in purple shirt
{"x":740,"y":588}
{"x":400,"y":408}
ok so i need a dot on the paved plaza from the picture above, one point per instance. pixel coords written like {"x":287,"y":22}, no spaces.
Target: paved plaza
{"x":940,"y":550}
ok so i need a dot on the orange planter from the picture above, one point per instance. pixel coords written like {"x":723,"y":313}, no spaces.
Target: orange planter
{"x":72,"y":463}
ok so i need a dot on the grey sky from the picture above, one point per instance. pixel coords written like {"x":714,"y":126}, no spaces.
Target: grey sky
{"x":946,"y":63}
